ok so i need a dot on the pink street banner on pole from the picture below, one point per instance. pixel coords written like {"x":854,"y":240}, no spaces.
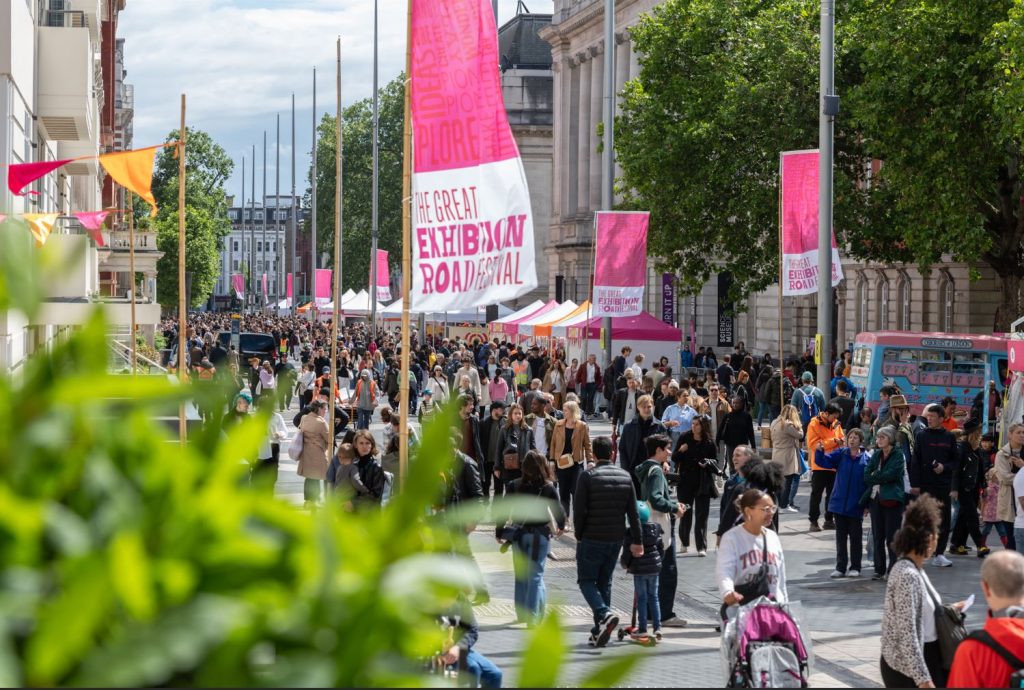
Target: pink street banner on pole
{"x":472,"y":232}
{"x":383,"y":277}
{"x":265,"y":293}
{"x":799,"y":213}
{"x":238,"y":283}
{"x":323,"y":285}
{"x":621,"y":262}
{"x":288,"y":289}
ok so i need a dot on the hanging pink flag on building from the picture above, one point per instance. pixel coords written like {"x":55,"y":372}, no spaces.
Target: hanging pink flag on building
{"x":472,"y":234}
{"x":383,"y":277}
{"x":238,"y":283}
{"x":799,"y":214}
{"x":621,"y":262}
{"x":93,"y":223}
{"x":323,"y":285}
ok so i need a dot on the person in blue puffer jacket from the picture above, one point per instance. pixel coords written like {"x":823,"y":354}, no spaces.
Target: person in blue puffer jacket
{"x":849,"y":462}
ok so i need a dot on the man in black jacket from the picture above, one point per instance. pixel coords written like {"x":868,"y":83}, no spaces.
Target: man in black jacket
{"x":490,"y":429}
{"x":967,"y":480}
{"x":631,"y":444}
{"x":605,"y":499}
{"x":932,"y":464}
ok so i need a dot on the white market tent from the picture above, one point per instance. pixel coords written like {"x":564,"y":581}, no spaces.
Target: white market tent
{"x":526,"y":328}
{"x":476,"y":315}
{"x":358,"y":304}
{"x":560,"y":329}
{"x":497,"y":326}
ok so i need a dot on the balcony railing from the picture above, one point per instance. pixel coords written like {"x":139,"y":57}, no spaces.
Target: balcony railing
{"x":68,"y":19}
{"x":144,"y":241}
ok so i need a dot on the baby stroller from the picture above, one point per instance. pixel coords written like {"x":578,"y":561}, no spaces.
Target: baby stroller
{"x":764,"y":647}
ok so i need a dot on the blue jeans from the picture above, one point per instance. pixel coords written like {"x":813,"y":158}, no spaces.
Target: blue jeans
{"x":529,"y":558}
{"x":363,"y":418}
{"x":483,"y":670}
{"x":789,"y":493}
{"x":646,"y":589}
{"x":589,"y":391}
{"x":595,"y":565}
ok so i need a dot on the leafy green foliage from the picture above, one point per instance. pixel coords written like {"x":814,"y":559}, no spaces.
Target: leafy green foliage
{"x":206,"y":215}
{"x":357,"y":182}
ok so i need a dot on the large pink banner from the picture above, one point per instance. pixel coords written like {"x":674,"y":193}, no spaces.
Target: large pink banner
{"x":288,"y":292}
{"x":383,"y":276}
{"x":323,"y":285}
{"x":799,"y":213}
{"x":238,"y":284}
{"x":621,"y":262}
{"x":472,"y":221}
{"x":265,"y":292}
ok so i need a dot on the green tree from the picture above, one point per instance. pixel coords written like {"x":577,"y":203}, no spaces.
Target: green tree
{"x":357,"y":183}
{"x":930,"y":89}
{"x":206,"y":215}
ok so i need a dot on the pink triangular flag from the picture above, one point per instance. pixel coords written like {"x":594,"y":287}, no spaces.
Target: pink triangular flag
{"x":92,"y":221}
{"x":20,"y":175}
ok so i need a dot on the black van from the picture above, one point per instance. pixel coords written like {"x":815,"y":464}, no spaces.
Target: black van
{"x":260,"y":345}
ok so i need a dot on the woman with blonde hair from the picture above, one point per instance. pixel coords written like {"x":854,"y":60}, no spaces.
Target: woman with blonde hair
{"x":569,"y":449}
{"x":787,"y":434}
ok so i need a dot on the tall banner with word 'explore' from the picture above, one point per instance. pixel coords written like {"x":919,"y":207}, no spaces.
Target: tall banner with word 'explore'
{"x":799,"y":216}
{"x":472,"y":227}
{"x":620,"y":262}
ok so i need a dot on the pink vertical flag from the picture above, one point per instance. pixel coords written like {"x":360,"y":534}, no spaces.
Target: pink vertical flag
{"x":288,"y":291}
{"x":621,"y":262}
{"x":265,"y":294}
{"x":93,"y":223}
{"x":799,"y":213}
{"x":238,"y":283}
{"x":323,"y":285}
{"x":21,"y":175}
{"x":383,"y":277}
{"x":472,"y":235}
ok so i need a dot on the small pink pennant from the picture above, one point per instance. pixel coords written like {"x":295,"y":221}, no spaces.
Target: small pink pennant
{"x":92,"y":221}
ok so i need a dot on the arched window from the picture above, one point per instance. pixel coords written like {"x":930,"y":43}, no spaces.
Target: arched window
{"x":882,"y":303}
{"x":947,"y":289}
{"x":903,"y":296}
{"x":862,"y":304}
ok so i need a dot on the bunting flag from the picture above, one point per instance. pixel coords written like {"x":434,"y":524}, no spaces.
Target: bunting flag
{"x":93,"y":221}
{"x":40,"y":225}
{"x":21,"y":175}
{"x":133,"y":170}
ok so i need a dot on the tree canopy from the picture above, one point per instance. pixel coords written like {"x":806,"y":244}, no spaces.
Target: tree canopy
{"x":931,"y":90}
{"x":206,"y":215}
{"x":357,"y":183}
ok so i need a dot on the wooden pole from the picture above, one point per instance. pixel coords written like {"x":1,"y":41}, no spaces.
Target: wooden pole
{"x":131,"y":270}
{"x":182,"y":307}
{"x":336,"y":295}
{"x":403,"y":384}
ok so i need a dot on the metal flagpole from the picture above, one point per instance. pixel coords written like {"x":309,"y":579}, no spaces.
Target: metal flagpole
{"x":263,"y":253}
{"x":242,"y":259}
{"x":313,"y":252}
{"x":403,"y":425}
{"x":336,"y":293}
{"x":376,"y":182}
{"x":782,"y":358}
{"x":182,"y":307}
{"x":292,"y":220}
{"x":825,"y":141}
{"x":278,"y":244}
{"x":252,"y":231}
{"x":608,"y":154}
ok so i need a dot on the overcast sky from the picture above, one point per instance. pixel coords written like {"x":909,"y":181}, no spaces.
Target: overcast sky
{"x":238,"y":62}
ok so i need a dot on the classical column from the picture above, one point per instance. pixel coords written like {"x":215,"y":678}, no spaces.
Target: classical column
{"x":570,"y":171}
{"x":622,"y":75}
{"x":558,"y":138}
{"x":596,"y":115}
{"x":583,"y":164}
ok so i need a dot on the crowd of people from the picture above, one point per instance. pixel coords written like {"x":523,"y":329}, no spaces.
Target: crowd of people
{"x":638,"y":497}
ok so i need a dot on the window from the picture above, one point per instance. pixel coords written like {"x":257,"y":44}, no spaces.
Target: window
{"x":259,"y":246}
{"x":862,"y":304}
{"x":903,"y":296}
{"x":936,"y":368}
{"x":235,"y":244}
{"x":882,"y":305}
{"x":235,"y":267}
{"x":946,"y":289}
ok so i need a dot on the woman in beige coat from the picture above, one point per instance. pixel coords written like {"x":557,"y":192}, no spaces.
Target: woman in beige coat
{"x":316,"y":446}
{"x":570,"y":437}
{"x":787,"y":434}
{"x":1008,"y":459}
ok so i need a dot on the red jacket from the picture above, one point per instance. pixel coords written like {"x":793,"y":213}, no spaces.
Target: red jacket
{"x":581,"y":375}
{"x":977,"y":666}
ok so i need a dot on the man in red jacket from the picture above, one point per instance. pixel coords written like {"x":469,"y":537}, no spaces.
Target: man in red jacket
{"x":588,"y":382}
{"x":983,"y":659}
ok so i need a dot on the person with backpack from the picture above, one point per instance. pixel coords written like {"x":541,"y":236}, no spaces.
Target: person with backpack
{"x":994,"y":656}
{"x":823,"y":431}
{"x":808,"y":399}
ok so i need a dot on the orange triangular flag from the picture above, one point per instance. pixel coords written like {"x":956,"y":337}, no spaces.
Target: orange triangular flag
{"x":40,"y":225}
{"x":133,"y":170}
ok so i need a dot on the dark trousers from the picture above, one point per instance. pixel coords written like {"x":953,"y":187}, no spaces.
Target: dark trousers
{"x":567,"y":480}
{"x":589,"y":391}
{"x":486,"y":475}
{"x":967,"y":522}
{"x":941,"y":495}
{"x":668,"y":579}
{"x":698,"y":518}
{"x":892,"y":678}
{"x":849,"y":542}
{"x":595,"y":565}
{"x":307,"y":397}
{"x":788,"y":498}
{"x":884,"y":524}
{"x":821,"y":481}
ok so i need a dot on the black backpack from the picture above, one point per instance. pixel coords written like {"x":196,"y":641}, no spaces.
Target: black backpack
{"x":1016,"y":679}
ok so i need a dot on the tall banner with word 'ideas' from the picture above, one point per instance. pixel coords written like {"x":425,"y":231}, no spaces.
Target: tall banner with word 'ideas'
{"x":620,"y":262}
{"x":472,"y":228}
{"x":799,"y":216}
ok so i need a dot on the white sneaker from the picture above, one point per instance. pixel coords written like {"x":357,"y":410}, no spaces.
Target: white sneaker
{"x":853,"y":573}
{"x":941,"y":561}
{"x":790,"y":509}
{"x":702,"y":553}
{"x":684,"y":549}
{"x":836,"y":574}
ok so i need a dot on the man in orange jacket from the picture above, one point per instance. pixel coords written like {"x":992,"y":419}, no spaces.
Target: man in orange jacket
{"x":983,"y":660}
{"x":825,"y":433}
